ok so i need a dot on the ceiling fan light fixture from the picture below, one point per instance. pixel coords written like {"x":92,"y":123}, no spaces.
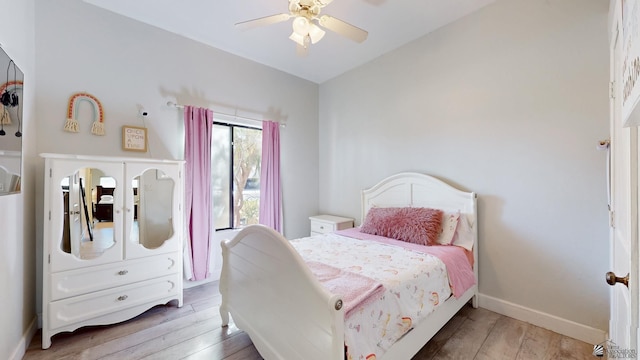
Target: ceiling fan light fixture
{"x":316,"y":33}
{"x":301,"y":25}
{"x":297,"y":38}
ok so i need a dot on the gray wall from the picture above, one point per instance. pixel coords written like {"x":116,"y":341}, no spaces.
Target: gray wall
{"x":508,"y":102}
{"x":17,"y":212}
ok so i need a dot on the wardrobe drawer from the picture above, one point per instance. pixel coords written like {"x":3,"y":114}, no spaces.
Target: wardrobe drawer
{"x":100,"y":303}
{"x":83,"y":281}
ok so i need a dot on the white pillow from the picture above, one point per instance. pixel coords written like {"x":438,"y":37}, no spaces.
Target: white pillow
{"x":449,"y":225}
{"x":106,"y":199}
{"x":464,"y":236}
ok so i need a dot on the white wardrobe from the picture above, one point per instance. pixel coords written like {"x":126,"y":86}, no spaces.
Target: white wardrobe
{"x":112,"y":241}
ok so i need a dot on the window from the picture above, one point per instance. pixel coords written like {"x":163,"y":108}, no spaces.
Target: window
{"x":235,"y":166}
{"x":107,"y":181}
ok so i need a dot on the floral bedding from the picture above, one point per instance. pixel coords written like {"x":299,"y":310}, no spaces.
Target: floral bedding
{"x":414,"y":284}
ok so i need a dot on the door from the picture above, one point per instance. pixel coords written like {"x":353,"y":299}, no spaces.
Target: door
{"x":623,"y":178}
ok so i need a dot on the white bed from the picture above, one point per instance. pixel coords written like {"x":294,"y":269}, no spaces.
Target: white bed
{"x":271,"y":294}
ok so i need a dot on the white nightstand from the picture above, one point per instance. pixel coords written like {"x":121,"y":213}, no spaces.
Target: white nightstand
{"x":322,"y":224}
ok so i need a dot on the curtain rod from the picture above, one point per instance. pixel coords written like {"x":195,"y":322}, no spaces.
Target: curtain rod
{"x":178,"y":106}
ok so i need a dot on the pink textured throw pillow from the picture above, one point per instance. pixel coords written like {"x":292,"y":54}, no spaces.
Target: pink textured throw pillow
{"x":415,"y":225}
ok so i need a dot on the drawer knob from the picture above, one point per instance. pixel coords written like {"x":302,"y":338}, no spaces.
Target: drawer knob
{"x":123,"y":272}
{"x":122,"y":298}
{"x":321,"y":227}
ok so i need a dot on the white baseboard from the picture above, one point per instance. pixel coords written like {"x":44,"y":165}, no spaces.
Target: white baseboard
{"x":547,"y":321}
{"x":23,"y":344}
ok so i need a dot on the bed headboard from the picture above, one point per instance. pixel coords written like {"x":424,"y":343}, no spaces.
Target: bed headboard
{"x":418,"y":190}
{"x":103,"y":191}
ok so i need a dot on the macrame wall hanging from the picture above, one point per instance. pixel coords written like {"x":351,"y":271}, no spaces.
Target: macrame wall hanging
{"x":9,"y":98}
{"x":5,"y":119}
{"x":72,"y":124}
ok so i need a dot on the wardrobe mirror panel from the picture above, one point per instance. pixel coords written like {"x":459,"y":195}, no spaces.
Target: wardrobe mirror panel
{"x":11,"y":84}
{"x":88,"y":208}
{"x":153,"y":196}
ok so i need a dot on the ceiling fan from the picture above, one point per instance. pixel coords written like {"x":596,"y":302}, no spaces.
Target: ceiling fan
{"x":307,"y":23}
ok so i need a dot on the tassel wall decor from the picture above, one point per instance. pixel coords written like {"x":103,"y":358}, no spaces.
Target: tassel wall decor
{"x":72,"y":124}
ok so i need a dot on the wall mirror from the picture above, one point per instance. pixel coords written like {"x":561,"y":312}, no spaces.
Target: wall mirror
{"x":89,"y":207}
{"x":88,"y":228}
{"x":154,"y":205}
{"x":11,"y":82}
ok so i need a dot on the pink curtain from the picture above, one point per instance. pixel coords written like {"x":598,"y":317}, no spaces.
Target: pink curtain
{"x":198,"y":123}
{"x":270,"y":193}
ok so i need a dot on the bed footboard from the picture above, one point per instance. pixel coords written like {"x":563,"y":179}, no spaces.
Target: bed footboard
{"x":272,"y":295}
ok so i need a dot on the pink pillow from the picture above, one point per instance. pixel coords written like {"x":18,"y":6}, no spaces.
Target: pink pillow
{"x":415,"y":225}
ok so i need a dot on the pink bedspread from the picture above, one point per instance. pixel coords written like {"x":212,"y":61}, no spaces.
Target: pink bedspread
{"x":357,"y":290}
{"x":461,"y":276}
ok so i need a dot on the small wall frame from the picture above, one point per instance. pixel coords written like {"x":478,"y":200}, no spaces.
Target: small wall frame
{"x":134,"y":138}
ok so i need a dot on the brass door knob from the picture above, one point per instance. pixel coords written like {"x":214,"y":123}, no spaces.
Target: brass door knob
{"x":612,"y":279}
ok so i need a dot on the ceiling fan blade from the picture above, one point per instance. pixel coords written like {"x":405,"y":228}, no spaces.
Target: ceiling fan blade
{"x":263,"y":21}
{"x":345,"y":29}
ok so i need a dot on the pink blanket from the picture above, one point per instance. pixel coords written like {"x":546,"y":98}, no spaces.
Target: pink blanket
{"x":461,"y":276}
{"x":356,"y":289}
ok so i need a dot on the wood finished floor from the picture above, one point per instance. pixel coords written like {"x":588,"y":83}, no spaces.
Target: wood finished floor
{"x":194,"y":332}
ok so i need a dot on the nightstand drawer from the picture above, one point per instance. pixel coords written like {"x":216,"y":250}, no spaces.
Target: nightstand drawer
{"x":322,"y":224}
{"x":321,"y":227}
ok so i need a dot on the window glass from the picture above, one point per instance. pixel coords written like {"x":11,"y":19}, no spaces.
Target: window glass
{"x":247,"y":151}
{"x":220,"y":177}
{"x":236,"y":156}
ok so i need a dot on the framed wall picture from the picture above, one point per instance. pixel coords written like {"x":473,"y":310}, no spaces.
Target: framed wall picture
{"x":134,"y":138}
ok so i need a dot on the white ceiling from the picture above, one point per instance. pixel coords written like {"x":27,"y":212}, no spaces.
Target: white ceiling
{"x":390,"y":23}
